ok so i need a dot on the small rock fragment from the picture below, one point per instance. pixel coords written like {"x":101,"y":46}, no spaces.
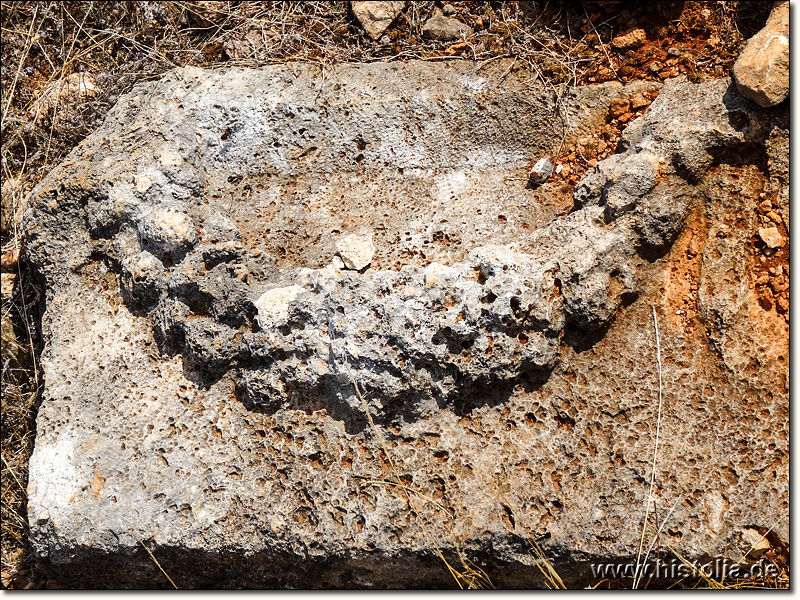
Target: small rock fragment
{"x":142,"y":278}
{"x":779,"y":284}
{"x":618,"y":107}
{"x":9,"y":260}
{"x":337,"y":263}
{"x":774,"y":217}
{"x":771,"y":236}
{"x":356,"y":251}
{"x":639,"y":101}
{"x":756,"y":543}
{"x":273,"y":306}
{"x":762,"y":69}
{"x":435,"y":271}
{"x":12,"y":350}
{"x":445,"y":29}
{"x":375,"y":17}
{"x":765,"y":298}
{"x":629,"y":41}
{"x":75,"y":88}
{"x":541,"y":171}
{"x":7,"y":281}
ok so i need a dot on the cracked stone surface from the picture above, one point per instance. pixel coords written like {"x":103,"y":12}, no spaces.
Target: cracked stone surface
{"x":203,"y":340}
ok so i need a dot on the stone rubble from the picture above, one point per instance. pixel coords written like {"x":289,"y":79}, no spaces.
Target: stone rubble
{"x":273,"y":306}
{"x":630,"y":40}
{"x":771,"y":236}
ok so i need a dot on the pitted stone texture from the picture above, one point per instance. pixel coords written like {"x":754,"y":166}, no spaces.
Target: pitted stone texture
{"x":513,"y":377}
{"x":167,"y":232}
{"x":492,"y":318}
{"x":762,"y":69}
{"x":281,"y":150}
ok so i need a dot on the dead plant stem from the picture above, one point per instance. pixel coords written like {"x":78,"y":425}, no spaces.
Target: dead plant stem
{"x":650,"y":498}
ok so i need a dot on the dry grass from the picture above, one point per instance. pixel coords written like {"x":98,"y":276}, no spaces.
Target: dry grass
{"x":64,"y":64}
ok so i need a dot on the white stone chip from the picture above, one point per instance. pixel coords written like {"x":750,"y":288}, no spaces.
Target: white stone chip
{"x":273,"y":306}
{"x":435,"y":271}
{"x":541,"y":171}
{"x":376,"y":17}
{"x":758,"y":544}
{"x":356,"y":251}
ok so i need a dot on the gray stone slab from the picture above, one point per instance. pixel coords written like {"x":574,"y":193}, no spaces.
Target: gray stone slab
{"x":502,"y":338}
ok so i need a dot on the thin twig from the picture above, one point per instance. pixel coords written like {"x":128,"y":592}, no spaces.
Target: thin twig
{"x":157,"y":564}
{"x":602,"y":45}
{"x":650,"y":498}
{"x":655,"y":537}
{"x":13,"y":474}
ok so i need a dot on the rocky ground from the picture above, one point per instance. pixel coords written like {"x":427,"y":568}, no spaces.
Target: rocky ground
{"x":64,"y":66}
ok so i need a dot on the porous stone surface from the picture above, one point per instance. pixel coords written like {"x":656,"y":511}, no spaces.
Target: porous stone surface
{"x":375,"y":17}
{"x":210,"y":366}
{"x":762,"y":69}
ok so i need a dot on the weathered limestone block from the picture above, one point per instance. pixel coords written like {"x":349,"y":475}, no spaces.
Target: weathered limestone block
{"x":209,"y":361}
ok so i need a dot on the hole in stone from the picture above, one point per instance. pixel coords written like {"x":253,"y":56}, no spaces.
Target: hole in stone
{"x":441,"y":455}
